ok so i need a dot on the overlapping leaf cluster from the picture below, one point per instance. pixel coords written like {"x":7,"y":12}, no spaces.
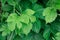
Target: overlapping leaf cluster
{"x":30,"y":20}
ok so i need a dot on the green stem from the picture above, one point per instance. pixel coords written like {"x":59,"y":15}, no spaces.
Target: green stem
{"x":11,"y":36}
{"x":20,"y":8}
{"x":59,"y":14}
{"x":14,"y":9}
{"x":18,"y":12}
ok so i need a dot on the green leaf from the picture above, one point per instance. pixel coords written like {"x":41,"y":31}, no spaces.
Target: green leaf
{"x":36,"y":26}
{"x":54,"y":3}
{"x":46,"y":11}
{"x":33,"y":1}
{"x":12,"y":20}
{"x":55,"y":26}
{"x":46,"y":33}
{"x":17,"y":38}
{"x":24,"y":18}
{"x":27,"y":28}
{"x":32,"y":18}
{"x":39,"y":11}
{"x":17,"y":1}
{"x":33,"y":36}
{"x":19,"y":25}
{"x":11,"y":2}
{"x":6,"y":7}
{"x":3,"y":2}
{"x":57,"y":37}
{"x":25,"y":4}
{"x":57,"y":4}
{"x":2,"y":38}
{"x":29,"y":12}
{"x":1,"y":29}
{"x":58,"y":34}
{"x":36,"y":7}
{"x":4,"y":14}
{"x":11,"y":26}
{"x":5,"y":32}
{"x":50,"y":14}
{"x":12,"y":17}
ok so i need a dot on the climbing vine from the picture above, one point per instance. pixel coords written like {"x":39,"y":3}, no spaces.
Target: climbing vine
{"x":29,"y":19}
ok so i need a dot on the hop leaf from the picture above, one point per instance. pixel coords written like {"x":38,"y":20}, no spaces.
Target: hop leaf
{"x":29,"y":12}
{"x":57,"y":37}
{"x":24,"y":18}
{"x":46,"y":33}
{"x":12,"y":20}
{"x":32,"y":18}
{"x":26,"y":28}
{"x":36,"y":26}
{"x":50,"y":14}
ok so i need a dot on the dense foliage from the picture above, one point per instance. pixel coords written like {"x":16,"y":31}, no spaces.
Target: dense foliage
{"x":30,"y":20}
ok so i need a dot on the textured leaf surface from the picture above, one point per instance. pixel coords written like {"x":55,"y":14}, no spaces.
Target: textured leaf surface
{"x":12,"y":17}
{"x":11,"y":26}
{"x":39,"y":11}
{"x":36,"y":26}
{"x":19,"y":25}
{"x":29,"y":19}
{"x":24,"y":18}
{"x":11,"y":2}
{"x":32,"y":18}
{"x":27,"y":28}
{"x":54,"y":3}
{"x":6,"y":8}
{"x":57,"y":37}
{"x":50,"y":15}
{"x":29,"y":11}
{"x":55,"y":26}
{"x":46,"y":33}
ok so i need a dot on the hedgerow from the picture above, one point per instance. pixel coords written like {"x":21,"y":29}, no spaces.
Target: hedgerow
{"x":30,"y":20}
